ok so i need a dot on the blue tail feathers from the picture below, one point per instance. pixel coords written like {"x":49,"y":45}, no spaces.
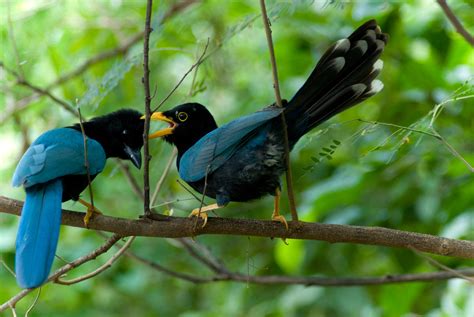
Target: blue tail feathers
{"x":38,"y":233}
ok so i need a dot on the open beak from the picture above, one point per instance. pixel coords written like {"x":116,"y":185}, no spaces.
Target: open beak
{"x":134,"y":155}
{"x":159,"y":116}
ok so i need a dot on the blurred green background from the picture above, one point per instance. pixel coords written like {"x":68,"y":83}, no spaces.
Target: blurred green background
{"x":378,"y":175}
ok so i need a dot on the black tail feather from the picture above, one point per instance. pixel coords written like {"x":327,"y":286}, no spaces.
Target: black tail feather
{"x":344,"y":76}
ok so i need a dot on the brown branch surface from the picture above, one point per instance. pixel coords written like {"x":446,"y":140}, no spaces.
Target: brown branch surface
{"x":177,"y":227}
{"x":455,"y":22}
{"x":310,"y":280}
{"x":146,"y":84}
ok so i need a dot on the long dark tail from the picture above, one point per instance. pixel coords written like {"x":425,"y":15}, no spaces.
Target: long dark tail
{"x":38,"y":233}
{"x":344,"y":76}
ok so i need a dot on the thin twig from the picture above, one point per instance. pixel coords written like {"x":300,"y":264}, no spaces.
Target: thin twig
{"x":146,"y":84}
{"x":13,"y":40}
{"x":441,"y":266}
{"x":23,"y":82}
{"x":163,"y":269}
{"x":435,"y":134}
{"x":193,"y":81}
{"x":455,"y":22}
{"x":120,"y":50}
{"x":13,"y":311}
{"x":34,"y":303}
{"x":276,"y":87}
{"x":268,"y":33}
{"x":100,"y":269}
{"x":453,"y":151}
{"x":86,"y":158}
{"x":196,"y":64}
{"x":375,"y":123}
{"x":309,"y":280}
{"x":165,"y":173}
{"x":8,"y":268}
{"x":206,"y":259}
{"x":188,"y":190}
{"x":19,"y":105}
{"x":222,"y":273}
{"x":64,"y":269}
{"x":131,"y":180}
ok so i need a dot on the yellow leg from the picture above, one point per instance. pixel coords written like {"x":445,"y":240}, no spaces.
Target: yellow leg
{"x":202,"y":212}
{"x":276,"y":211}
{"x":91,"y":210}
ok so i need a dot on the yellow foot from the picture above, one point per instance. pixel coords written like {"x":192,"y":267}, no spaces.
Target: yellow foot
{"x":198,"y":212}
{"x":91,"y":211}
{"x":281,"y":219}
{"x":202,"y":212}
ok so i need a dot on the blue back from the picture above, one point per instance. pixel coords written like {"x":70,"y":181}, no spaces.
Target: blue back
{"x":216,"y":147}
{"x":57,"y":153}
{"x":54,"y":154}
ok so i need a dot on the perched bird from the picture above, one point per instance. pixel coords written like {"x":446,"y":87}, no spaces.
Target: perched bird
{"x":53,"y":170}
{"x":244,"y":159}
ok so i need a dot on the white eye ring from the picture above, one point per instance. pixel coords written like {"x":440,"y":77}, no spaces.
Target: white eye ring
{"x":182,"y":116}
{"x":124,"y":132}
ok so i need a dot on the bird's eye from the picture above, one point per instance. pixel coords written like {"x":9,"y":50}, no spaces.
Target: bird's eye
{"x":124,"y":132}
{"x":182,"y":116}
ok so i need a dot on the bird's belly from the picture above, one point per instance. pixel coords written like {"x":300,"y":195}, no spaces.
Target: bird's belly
{"x":73,"y":185}
{"x":250,"y":173}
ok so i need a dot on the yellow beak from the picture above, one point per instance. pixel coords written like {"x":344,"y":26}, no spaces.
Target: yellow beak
{"x":159,"y":116}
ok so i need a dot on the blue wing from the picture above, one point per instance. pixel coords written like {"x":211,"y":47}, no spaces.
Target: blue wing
{"x":216,"y":147}
{"x":57,"y":153}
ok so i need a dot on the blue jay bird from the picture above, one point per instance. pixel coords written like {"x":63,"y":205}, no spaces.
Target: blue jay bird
{"x":53,"y":170}
{"x":244,"y":159}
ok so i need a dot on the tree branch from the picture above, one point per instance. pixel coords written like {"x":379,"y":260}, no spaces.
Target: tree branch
{"x":455,"y":22}
{"x":64,"y":269}
{"x":146,"y":84}
{"x":44,"y":92}
{"x":193,"y":66}
{"x":222,"y":273}
{"x":276,"y":87}
{"x":120,"y":50}
{"x":178,"y":227}
{"x":100,"y":269}
{"x":311,"y":280}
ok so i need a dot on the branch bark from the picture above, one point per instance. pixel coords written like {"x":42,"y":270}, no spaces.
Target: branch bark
{"x":177,"y":227}
{"x":146,"y":84}
{"x":455,"y":22}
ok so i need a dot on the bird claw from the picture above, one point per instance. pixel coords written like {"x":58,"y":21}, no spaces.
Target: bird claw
{"x":281,"y":219}
{"x":91,"y":211}
{"x":201,"y":214}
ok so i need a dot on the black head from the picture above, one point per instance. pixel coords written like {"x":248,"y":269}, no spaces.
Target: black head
{"x":120,"y":133}
{"x":188,"y":123}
